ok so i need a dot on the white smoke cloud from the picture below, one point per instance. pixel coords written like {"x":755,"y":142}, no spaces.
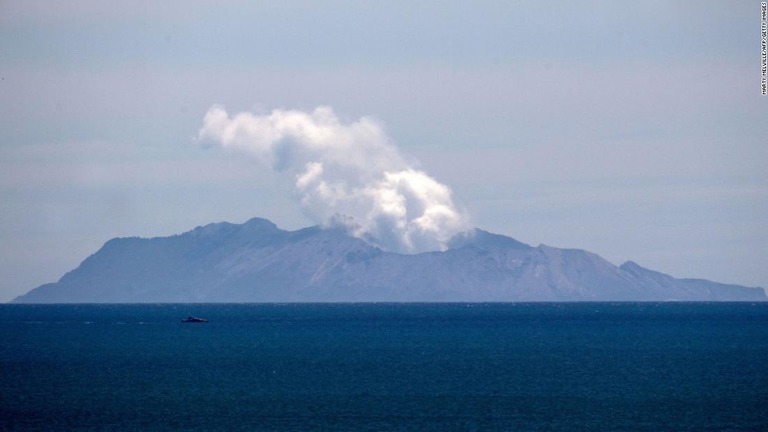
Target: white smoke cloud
{"x":348,"y":174}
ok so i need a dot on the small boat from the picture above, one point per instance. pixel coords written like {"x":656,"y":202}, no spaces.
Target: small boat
{"x":192,"y":319}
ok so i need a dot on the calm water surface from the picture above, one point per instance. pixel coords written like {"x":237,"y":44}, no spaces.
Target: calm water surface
{"x":382,"y":367}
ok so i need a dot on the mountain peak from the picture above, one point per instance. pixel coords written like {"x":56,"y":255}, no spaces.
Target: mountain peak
{"x":485,"y":239}
{"x":261,"y":223}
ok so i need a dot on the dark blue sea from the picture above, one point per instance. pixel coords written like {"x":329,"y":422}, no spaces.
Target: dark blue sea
{"x":385,"y":367}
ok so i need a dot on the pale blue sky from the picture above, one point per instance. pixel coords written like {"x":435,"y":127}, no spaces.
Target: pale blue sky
{"x":633,"y":130}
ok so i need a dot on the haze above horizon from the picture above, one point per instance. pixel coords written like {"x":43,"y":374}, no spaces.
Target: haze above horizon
{"x":633,"y":131}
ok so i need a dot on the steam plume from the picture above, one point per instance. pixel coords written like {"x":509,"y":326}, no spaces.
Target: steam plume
{"x":348,"y":174}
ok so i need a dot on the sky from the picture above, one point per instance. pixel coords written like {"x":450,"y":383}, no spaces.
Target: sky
{"x":635,"y":130}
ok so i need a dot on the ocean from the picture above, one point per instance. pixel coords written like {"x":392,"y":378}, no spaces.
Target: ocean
{"x":385,"y":367}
